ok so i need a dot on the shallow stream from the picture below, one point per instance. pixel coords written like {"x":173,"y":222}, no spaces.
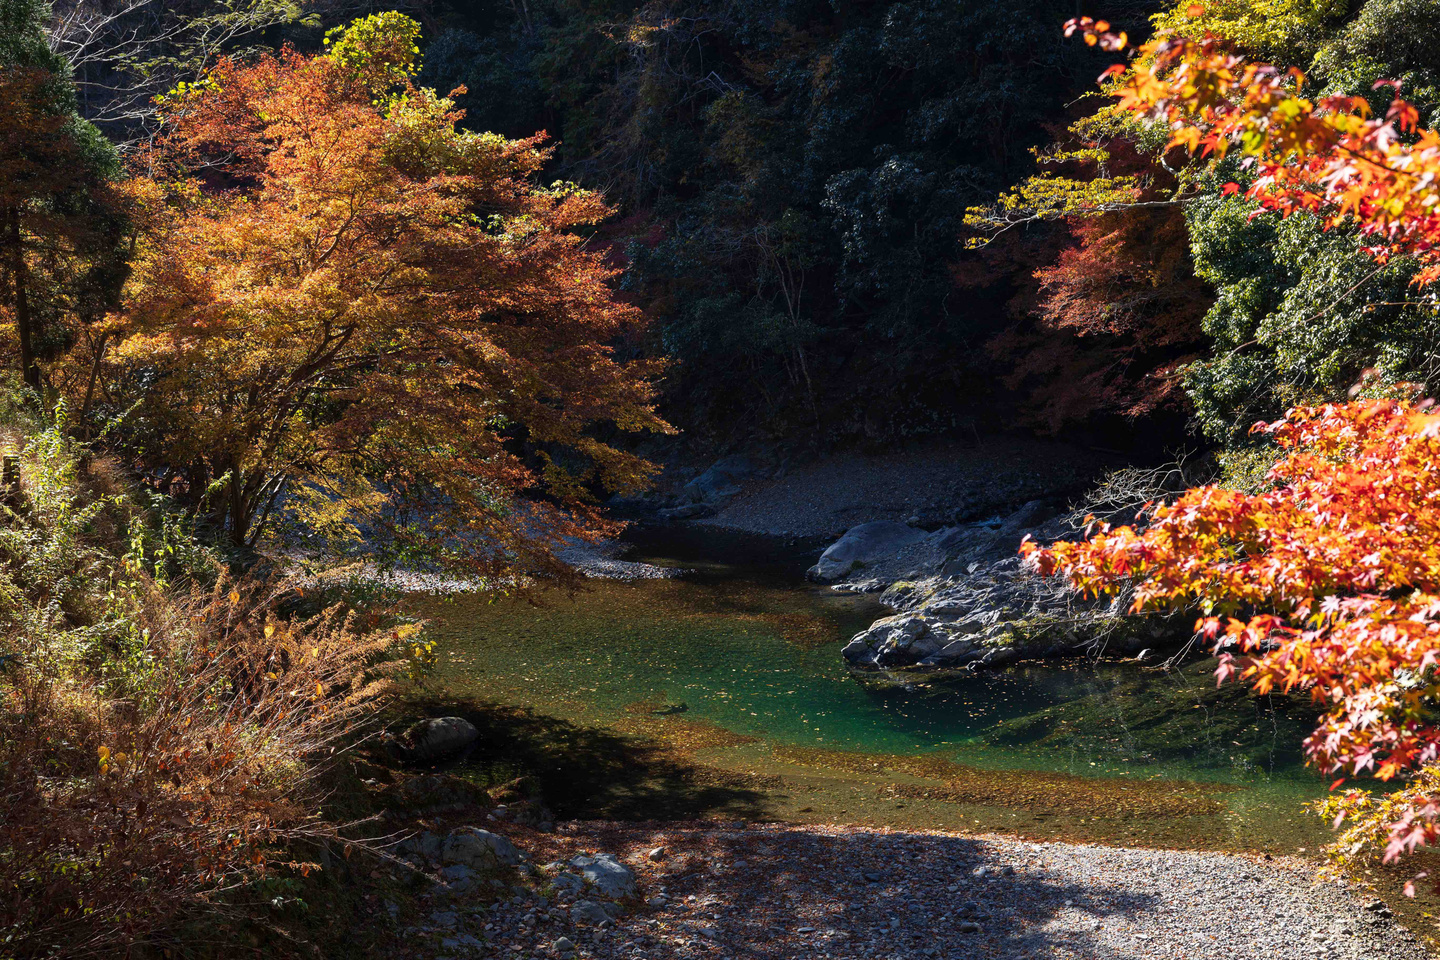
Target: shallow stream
{"x":735,"y":670}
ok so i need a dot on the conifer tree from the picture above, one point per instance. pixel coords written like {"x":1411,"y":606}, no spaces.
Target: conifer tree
{"x":59,"y":221}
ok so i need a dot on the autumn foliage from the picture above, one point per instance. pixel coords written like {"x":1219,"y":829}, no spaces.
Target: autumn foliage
{"x":1328,"y":155}
{"x":1326,"y":583}
{"x":348,"y":310}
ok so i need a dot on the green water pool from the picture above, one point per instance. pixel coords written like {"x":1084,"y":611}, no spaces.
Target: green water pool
{"x":737,"y":665}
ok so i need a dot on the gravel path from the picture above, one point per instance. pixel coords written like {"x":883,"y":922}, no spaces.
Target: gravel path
{"x":776,"y":892}
{"x":938,"y":484}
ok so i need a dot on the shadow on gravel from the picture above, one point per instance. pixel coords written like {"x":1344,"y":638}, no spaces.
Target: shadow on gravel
{"x":880,"y":895}
{"x":590,"y":773}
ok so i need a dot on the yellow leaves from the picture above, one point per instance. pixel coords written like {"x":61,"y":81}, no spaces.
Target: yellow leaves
{"x":111,"y":762}
{"x":234,"y":597}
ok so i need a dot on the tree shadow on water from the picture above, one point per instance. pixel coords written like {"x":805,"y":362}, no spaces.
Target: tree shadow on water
{"x":585,"y":772}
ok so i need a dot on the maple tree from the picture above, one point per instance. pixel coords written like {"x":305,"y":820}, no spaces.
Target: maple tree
{"x":354,"y":316}
{"x":1326,"y":581}
{"x":1116,"y":310}
{"x":1328,"y":156}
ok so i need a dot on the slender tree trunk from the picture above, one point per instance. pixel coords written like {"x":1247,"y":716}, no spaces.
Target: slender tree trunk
{"x":90,"y":384}
{"x":23,"y":321}
{"x":239,"y":515}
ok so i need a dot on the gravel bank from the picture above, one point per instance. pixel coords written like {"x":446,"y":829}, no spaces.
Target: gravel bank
{"x":937,"y":485}
{"x":781,"y":892}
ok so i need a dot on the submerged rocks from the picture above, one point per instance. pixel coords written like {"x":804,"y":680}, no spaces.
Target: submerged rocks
{"x":864,"y":545}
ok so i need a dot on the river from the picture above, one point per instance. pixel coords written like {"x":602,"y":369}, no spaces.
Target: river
{"x":730,"y":679}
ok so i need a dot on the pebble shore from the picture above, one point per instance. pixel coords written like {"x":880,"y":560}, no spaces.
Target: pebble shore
{"x":778,"y":891}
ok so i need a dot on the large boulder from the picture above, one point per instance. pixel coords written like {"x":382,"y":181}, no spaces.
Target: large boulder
{"x":722,"y":480}
{"x":458,"y":877}
{"x":865,"y":545}
{"x":430,"y":741}
{"x":478,"y":849}
{"x":608,"y":875}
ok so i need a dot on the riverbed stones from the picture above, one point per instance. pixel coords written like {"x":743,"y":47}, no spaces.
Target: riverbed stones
{"x":591,"y":913}
{"x":806,"y":892}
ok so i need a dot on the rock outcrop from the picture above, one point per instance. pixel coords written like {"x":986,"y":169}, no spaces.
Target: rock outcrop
{"x":963,"y":599}
{"x":478,"y":849}
{"x":713,"y":488}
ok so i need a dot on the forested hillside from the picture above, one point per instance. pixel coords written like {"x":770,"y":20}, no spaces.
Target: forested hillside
{"x":793,"y":179}
{"x":311,"y":312}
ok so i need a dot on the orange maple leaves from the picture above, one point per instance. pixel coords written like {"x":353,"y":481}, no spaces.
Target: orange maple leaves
{"x":1328,"y":156}
{"x":1329,"y":582}
{"x":356,"y":311}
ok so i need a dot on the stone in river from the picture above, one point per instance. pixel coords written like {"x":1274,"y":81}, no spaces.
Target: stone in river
{"x":863,"y":545}
{"x":436,"y":739}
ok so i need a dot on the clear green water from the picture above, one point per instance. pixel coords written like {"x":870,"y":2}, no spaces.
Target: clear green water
{"x":742,"y":650}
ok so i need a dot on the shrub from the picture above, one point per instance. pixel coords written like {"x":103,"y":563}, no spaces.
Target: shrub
{"x":162,"y":725}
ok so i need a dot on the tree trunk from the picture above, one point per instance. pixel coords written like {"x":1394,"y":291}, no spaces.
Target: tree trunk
{"x":239,"y":512}
{"x":90,"y":385}
{"x":23,"y":321}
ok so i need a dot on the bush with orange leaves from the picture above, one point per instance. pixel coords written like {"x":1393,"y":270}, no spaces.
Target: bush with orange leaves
{"x":160,"y":740}
{"x":1327,"y":582}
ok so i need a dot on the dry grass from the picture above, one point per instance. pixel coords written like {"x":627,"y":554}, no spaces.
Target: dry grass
{"x":160,"y":742}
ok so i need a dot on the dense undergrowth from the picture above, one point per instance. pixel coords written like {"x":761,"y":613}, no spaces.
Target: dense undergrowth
{"x":165,"y":727}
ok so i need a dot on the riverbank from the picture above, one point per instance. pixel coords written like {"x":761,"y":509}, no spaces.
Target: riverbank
{"x":704,"y":889}
{"x":933,"y":485}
